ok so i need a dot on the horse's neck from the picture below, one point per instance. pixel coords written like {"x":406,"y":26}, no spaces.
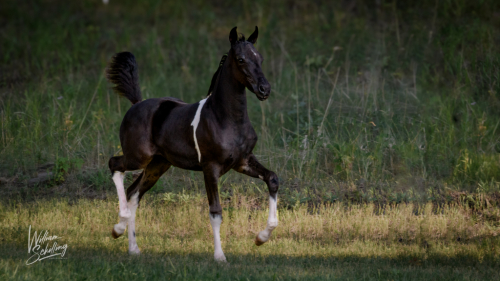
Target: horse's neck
{"x":229,"y":102}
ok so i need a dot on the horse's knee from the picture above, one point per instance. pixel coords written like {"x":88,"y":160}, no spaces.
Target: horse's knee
{"x":273,"y":183}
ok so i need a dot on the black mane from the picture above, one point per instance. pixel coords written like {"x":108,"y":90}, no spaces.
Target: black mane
{"x":216,"y":74}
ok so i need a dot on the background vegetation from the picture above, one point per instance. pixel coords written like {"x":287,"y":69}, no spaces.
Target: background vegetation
{"x":373,"y":102}
{"x":392,"y":99}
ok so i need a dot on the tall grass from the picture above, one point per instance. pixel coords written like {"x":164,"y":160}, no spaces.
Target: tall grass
{"x":385,"y":96}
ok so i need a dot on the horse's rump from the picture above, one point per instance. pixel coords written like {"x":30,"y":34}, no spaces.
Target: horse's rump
{"x":141,"y":124}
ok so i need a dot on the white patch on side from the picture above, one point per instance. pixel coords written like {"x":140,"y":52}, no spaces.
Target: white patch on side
{"x":195,"y":123}
{"x":261,"y":177}
{"x":272,"y":221}
{"x":132,"y":243}
{"x":216,"y":222}
{"x":118,"y":178}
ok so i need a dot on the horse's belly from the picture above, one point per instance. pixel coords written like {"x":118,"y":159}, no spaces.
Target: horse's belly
{"x":186,"y":166}
{"x":180,"y":153}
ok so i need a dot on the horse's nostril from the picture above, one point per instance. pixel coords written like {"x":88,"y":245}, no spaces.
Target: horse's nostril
{"x":262,"y":89}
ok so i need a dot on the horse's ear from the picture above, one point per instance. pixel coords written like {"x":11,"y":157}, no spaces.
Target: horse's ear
{"x":253,"y":38}
{"x":233,"y":36}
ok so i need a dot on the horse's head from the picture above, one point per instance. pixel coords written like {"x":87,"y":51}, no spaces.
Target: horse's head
{"x":246,"y":63}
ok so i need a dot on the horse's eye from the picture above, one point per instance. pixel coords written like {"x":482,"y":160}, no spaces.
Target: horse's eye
{"x":241,"y":60}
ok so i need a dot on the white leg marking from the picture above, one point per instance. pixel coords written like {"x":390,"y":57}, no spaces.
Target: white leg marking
{"x":132,"y":205}
{"x":118,"y":178}
{"x":216,"y":222}
{"x":261,"y":177}
{"x":272,"y":221}
{"x":195,"y":123}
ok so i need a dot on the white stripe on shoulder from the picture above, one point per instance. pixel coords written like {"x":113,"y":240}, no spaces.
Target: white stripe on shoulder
{"x":195,"y":123}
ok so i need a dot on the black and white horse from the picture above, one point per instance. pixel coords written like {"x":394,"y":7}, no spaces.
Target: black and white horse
{"x":213,"y":136}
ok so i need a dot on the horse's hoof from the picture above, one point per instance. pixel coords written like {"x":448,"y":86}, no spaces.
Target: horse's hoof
{"x":114,"y":234}
{"x":222,"y":262}
{"x":220,"y":258}
{"x":134,"y":252}
{"x":118,"y":230}
{"x":118,"y":233}
{"x":259,"y":242}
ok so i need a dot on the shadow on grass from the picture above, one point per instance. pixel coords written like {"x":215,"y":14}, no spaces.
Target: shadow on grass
{"x":89,"y":263}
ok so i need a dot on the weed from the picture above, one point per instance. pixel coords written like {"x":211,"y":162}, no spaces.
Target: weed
{"x":63,"y":166}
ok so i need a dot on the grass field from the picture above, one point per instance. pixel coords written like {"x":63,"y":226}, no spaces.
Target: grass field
{"x":359,"y":242}
{"x":382,"y":113}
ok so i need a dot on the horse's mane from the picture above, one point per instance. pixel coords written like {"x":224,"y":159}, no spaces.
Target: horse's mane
{"x":216,"y":74}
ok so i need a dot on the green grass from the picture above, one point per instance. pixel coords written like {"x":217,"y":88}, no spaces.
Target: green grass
{"x":338,"y":242}
{"x":374,"y":94}
{"x":372,"y":106}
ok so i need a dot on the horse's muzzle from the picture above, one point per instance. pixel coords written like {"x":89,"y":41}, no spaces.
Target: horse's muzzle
{"x":263,"y":89}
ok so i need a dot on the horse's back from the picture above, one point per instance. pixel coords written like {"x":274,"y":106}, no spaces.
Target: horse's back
{"x":172,"y":99}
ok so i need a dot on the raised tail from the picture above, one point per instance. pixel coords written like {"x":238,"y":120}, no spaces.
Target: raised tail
{"x":122,"y":71}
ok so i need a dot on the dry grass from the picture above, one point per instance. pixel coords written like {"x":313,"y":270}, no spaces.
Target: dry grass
{"x":163,"y":226}
{"x":398,"y":242}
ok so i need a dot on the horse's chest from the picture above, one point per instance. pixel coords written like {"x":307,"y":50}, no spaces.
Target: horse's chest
{"x":238,"y":144}
{"x":244,"y":140}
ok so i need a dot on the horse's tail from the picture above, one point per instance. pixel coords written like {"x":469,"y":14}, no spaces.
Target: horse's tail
{"x":122,"y":71}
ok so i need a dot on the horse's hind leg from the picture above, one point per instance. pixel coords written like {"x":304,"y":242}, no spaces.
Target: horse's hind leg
{"x":253,"y":168}
{"x":119,"y":228}
{"x":146,"y":180}
{"x":117,"y":168}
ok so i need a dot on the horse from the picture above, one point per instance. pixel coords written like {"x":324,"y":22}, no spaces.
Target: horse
{"x":214,"y":136}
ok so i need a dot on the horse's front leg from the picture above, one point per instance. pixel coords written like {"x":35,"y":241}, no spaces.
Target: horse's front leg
{"x":250,"y":166}
{"x":211,"y":173}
